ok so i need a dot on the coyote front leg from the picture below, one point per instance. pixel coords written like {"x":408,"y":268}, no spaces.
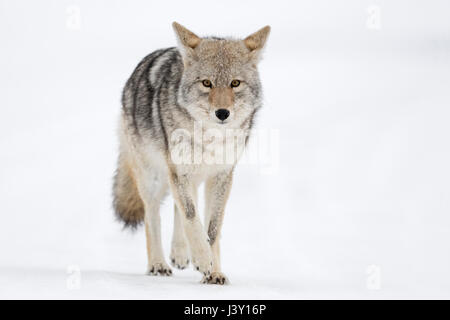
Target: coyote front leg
{"x":179,"y":255}
{"x":152,"y":188}
{"x":217,"y":190}
{"x":184,"y":192}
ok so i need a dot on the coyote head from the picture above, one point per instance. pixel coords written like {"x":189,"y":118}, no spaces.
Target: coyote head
{"x":220,"y":83}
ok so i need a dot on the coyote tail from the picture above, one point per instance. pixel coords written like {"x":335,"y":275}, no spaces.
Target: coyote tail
{"x":127,"y":203}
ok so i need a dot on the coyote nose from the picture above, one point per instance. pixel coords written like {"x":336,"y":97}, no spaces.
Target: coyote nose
{"x":222,"y":114}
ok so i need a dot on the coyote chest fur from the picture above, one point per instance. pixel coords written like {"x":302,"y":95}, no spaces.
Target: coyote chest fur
{"x":186,"y":117}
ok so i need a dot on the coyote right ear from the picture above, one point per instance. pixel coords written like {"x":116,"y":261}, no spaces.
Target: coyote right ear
{"x":187,"y":40}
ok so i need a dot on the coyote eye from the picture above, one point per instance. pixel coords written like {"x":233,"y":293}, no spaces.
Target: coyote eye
{"x":235,"y":83}
{"x":207,"y":83}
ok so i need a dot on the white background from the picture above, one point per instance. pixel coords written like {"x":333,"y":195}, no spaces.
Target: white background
{"x":358,"y":207}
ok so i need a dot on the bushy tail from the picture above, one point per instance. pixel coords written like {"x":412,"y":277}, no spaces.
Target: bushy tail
{"x":127,"y":202}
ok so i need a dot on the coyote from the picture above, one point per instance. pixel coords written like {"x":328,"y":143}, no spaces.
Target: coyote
{"x":184,"y":101}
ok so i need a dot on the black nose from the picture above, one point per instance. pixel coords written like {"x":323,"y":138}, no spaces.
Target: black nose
{"x":222,"y":114}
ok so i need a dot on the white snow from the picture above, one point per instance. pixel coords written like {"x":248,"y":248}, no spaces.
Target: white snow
{"x":358,"y":206}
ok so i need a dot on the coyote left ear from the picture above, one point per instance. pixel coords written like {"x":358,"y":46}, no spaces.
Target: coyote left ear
{"x":256,"y":41}
{"x":187,"y":39}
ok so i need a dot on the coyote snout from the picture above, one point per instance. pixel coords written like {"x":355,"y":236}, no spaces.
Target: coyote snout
{"x":222,"y":101}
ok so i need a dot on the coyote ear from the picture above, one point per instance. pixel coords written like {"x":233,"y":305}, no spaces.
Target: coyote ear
{"x":187,"y":40}
{"x":256,"y":41}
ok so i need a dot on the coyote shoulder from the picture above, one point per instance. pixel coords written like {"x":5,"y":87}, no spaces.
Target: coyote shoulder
{"x":183,"y":108}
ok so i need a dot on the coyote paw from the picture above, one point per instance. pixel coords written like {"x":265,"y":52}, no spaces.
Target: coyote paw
{"x":160,"y":268}
{"x":179,"y":257}
{"x":215,"y":278}
{"x":202,"y":260}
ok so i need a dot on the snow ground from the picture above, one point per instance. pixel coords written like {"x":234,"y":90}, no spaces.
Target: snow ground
{"x":355,"y":203}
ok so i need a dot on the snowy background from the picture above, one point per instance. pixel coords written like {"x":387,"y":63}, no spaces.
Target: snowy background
{"x":352,"y":202}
